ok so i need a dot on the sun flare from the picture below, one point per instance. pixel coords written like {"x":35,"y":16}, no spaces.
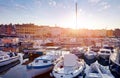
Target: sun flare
{"x":82,"y":22}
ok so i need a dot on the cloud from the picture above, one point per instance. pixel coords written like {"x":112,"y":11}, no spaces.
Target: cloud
{"x":103,"y":3}
{"x":94,"y":1}
{"x":38,"y":2}
{"x":61,"y":5}
{"x":104,"y":6}
{"x":18,"y":6}
{"x":81,"y":11}
{"x":52,"y":3}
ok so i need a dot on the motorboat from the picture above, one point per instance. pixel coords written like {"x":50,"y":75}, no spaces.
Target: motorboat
{"x":7,"y":67}
{"x":94,"y":48}
{"x":69,"y":67}
{"x":8,"y":57}
{"x":90,"y":57}
{"x":103,"y":56}
{"x":40,"y":65}
{"x":95,"y":70}
{"x":115,"y":63}
{"x":79,"y":52}
{"x":108,"y":47}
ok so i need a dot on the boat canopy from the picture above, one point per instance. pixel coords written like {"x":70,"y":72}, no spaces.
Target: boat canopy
{"x":70,"y":60}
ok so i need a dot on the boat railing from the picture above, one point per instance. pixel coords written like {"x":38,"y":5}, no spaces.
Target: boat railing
{"x":99,"y":71}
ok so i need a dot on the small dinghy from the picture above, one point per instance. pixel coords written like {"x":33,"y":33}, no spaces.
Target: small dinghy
{"x":69,"y":67}
{"x":96,"y":70}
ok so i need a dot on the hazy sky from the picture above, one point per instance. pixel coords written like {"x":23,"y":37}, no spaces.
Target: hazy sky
{"x":96,"y":14}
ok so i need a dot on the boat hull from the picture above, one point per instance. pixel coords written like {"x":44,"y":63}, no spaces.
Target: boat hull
{"x":63,"y":75}
{"x":115,"y":69}
{"x":6,"y":68}
{"x":103,"y":60}
{"x":35,"y":71}
{"x":5,"y":62}
{"x":89,"y":59}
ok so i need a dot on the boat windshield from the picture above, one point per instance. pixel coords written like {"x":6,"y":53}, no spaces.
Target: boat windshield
{"x":107,"y":52}
{"x":45,"y":61}
{"x":36,"y":61}
{"x":10,"y":54}
{"x":102,"y":51}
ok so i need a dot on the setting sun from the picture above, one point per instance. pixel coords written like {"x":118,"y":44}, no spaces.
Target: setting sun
{"x":83,"y":21}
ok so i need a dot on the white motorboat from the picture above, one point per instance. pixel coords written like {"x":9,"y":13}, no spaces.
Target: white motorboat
{"x":103,"y":56}
{"x":90,"y":57}
{"x":8,"y":57}
{"x":68,"y":67}
{"x":41,"y":65}
{"x":96,"y":70}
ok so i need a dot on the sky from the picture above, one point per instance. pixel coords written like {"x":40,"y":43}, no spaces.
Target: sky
{"x":92,"y":14}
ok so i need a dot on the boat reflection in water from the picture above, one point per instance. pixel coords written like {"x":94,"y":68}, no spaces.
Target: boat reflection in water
{"x":115,"y":63}
{"x":5,"y":68}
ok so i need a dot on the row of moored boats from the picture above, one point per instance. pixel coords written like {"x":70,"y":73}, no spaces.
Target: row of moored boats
{"x":102,"y":64}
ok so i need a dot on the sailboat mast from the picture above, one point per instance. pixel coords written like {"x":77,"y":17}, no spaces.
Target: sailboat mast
{"x":76,"y":13}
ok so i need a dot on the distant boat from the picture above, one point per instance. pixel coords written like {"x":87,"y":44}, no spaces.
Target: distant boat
{"x":79,"y":52}
{"x":69,"y":67}
{"x":115,"y":63}
{"x":94,"y":48}
{"x":108,"y":47}
{"x":90,"y":57}
{"x":41,"y":65}
{"x":96,"y":70}
{"x":8,"y":57}
{"x":103,"y":56}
